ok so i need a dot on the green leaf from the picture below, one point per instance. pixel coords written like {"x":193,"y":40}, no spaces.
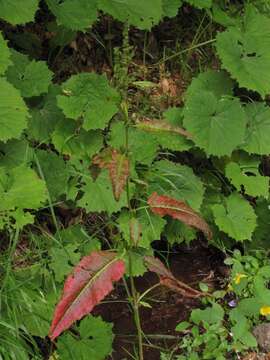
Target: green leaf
{"x":244,"y":51}
{"x":90,"y":97}
{"x":18,"y":12}
{"x":74,"y":14}
{"x":98,"y":195}
{"x":32,"y":78}
{"x":5,"y":55}
{"x":170,"y":140}
{"x":182,"y":326}
{"x":210,"y":315}
{"x":242,"y":330}
{"x":21,"y":188}
{"x":15,"y":153}
{"x":236,"y":217}
{"x":77,"y":234}
{"x":137,"y":262}
{"x":138,"y":140}
{"x":151,"y":227}
{"x":55,"y":171}
{"x":253,"y":183}
{"x":63,"y":259}
{"x":258,"y":129}
{"x":217,"y":82}
{"x":13,"y":112}
{"x":142,"y":14}
{"x":170,"y":7}
{"x":45,"y":117}
{"x":217,"y":125}
{"x":94,"y":341}
{"x":77,"y":144}
{"x":177,"y":181}
{"x":177,"y":232}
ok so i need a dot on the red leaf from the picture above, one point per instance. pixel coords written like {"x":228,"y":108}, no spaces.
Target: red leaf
{"x":91,"y":280}
{"x":161,"y":126}
{"x":103,"y":159}
{"x":119,"y":172}
{"x":164,"y":205}
{"x":167,"y":279}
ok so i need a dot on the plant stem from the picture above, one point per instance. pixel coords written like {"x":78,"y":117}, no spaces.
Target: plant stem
{"x":135,"y":305}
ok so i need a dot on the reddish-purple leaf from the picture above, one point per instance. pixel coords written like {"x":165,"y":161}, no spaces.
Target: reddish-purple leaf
{"x":163,"y":205}
{"x":91,"y":280}
{"x":103,"y":158}
{"x":119,"y":172}
{"x":167,"y":279}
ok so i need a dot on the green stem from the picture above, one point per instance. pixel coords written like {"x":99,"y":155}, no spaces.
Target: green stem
{"x":134,"y":294}
{"x":186,"y":50}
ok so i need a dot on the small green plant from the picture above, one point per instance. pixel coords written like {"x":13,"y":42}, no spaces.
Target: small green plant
{"x":224,"y":327}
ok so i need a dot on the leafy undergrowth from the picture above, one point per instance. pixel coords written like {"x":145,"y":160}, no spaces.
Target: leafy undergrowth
{"x":124,"y":125}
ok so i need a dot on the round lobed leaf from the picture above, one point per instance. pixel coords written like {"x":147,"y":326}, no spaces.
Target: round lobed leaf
{"x":245,"y":51}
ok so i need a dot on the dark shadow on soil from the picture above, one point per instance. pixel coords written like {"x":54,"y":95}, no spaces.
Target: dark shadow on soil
{"x":167,"y":308}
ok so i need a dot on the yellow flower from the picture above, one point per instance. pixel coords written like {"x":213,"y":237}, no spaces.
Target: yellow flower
{"x":265,"y":310}
{"x":238,"y":278}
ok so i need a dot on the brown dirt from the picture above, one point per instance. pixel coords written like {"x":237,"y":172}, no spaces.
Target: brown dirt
{"x":167,"y":308}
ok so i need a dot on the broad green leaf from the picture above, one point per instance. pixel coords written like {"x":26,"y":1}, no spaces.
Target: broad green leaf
{"x":210,"y":315}
{"x":13,"y":112}
{"x":143,"y":148}
{"x":89,"y":96}
{"x":137,"y":262}
{"x":258,"y":129}
{"x":77,"y":234}
{"x":142,"y":14}
{"x":15,"y":153}
{"x":217,"y":124}
{"x":74,"y":14}
{"x":5,"y":55}
{"x":45,"y":117}
{"x":170,"y":7}
{"x":77,"y":144}
{"x":253,"y":183}
{"x":169,"y":139}
{"x":20,"y":187}
{"x":177,"y":232}
{"x":20,"y":190}
{"x":151,"y":227}
{"x":63,"y":259}
{"x":17,"y":11}
{"x":55,"y":171}
{"x":242,"y":329}
{"x":217,"y":82}
{"x":177,"y":181}
{"x":32,"y":78}
{"x":245,"y":51}
{"x":98,"y":195}
{"x":94,"y":341}
{"x":235,"y":217}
